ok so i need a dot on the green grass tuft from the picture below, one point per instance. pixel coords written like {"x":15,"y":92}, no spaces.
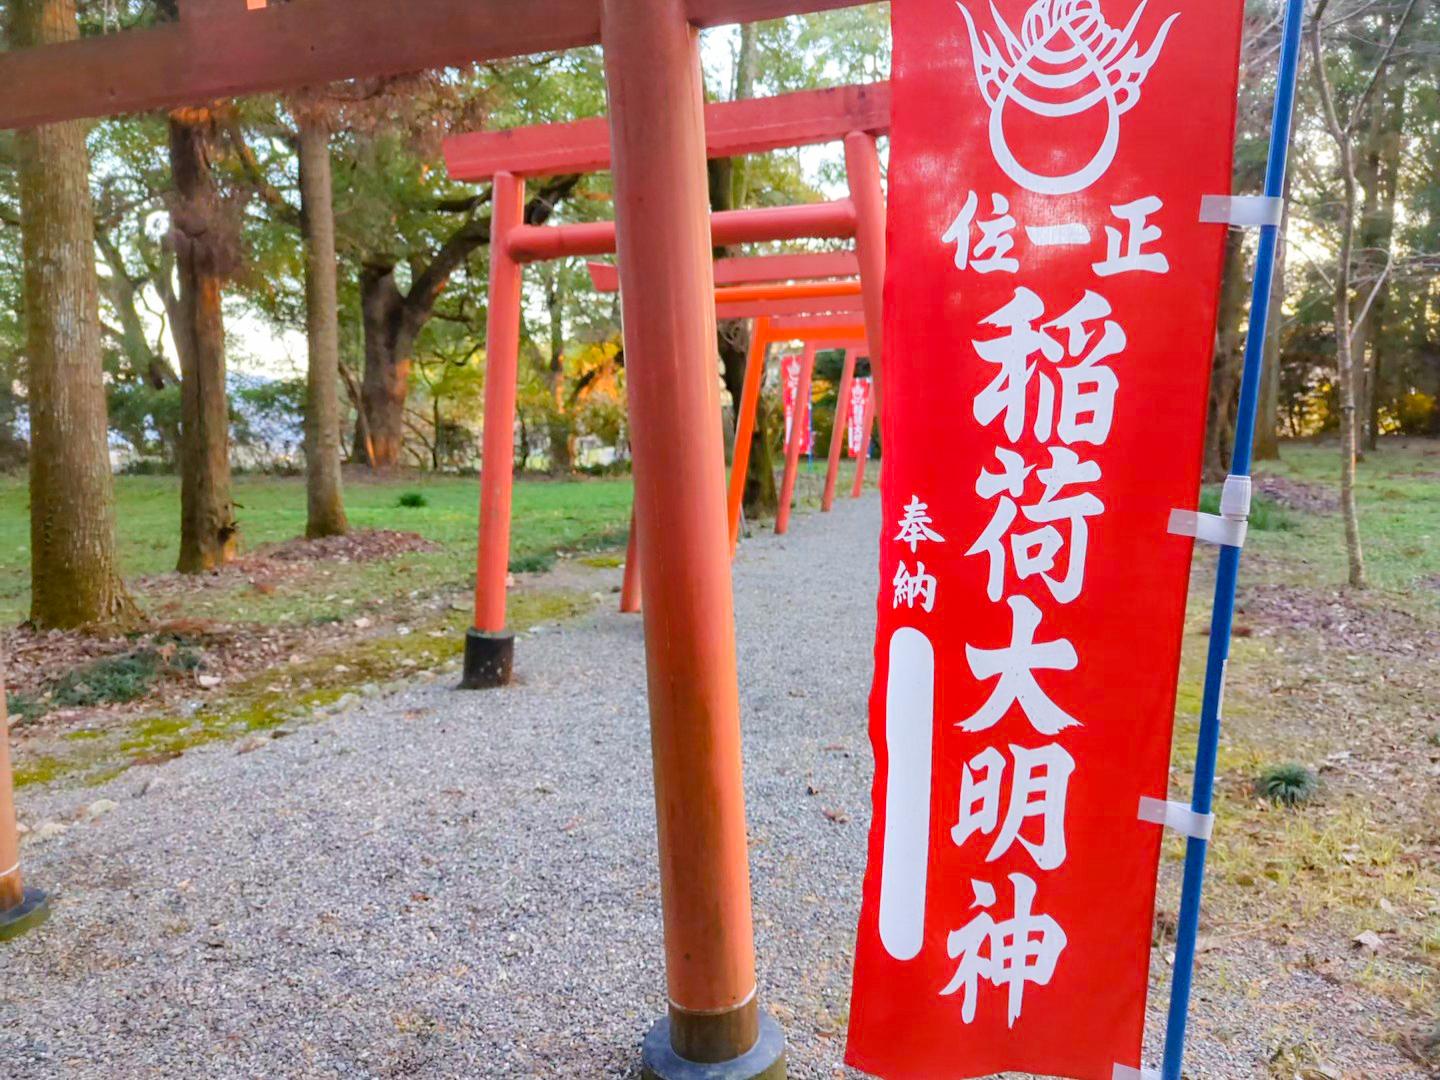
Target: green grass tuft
{"x":1288,"y":785}
{"x":413,"y":500}
{"x":1265,"y":515}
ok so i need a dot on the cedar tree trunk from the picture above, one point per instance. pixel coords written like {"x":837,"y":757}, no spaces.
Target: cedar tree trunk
{"x":204,"y":254}
{"x":74,"y":571}
{"x":325,"y":507}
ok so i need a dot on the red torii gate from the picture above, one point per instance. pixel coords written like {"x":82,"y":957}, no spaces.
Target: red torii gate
{"x":763,"y":288}
{"x":714,"y":1026}
{"x":851,"y":113}
{"x":809,"y":311}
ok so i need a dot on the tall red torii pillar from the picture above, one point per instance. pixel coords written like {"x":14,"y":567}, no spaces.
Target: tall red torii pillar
{"x":853,"y":113}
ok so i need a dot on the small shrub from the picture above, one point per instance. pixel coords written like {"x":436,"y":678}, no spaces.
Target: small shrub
{"x":26,"y":707}
{"x":148,"y":467}
{"x":114,"y":680}
{"x":1417,"y":413}
{"x":1288,"y":785}
{"x":412,"y":500}
{"x":535,"y":563}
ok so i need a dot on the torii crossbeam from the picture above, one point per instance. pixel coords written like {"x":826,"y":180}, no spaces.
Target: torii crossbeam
{"x":813,"y":312}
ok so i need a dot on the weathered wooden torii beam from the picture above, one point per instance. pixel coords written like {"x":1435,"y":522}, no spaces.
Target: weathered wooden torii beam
{"x":811,"y":312}
{"x":230,"y":48}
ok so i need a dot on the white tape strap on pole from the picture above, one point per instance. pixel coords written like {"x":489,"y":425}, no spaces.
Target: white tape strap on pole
{"x":1210,"y":528}
{"x":6,"y":873}
{"x":1229,"y":527}
{"x":1177,"y":816}
{"x":1129,"y":1072}
{"x":1246,"y":211}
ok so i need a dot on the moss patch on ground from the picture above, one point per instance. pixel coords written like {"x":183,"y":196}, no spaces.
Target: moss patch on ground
{"x":294,"y":694}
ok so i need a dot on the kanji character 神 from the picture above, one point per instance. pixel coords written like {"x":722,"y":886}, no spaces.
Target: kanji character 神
{"x":1009,"y":954}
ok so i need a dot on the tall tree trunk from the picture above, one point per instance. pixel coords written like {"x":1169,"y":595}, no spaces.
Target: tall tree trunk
{"x":729,"y":184}
{"x":1379,"y":232}
{"x":325,"y":506}
{"x":1267,"y":428}
{"x":1344,"y":355}
{"x":385,"y":385}
{"x":559,"y":426}
{"x":392,"y":322}
{"x":1229,"y":353}
{"x":74,"y":569}
{"x":204,"y":254}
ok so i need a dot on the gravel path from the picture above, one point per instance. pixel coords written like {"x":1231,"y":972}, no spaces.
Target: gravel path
{"x":437,"y":884}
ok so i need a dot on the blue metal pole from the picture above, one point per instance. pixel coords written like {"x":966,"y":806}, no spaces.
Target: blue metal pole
{"x":1228,"y":569}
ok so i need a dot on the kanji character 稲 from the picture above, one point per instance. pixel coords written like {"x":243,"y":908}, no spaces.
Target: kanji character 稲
{"x":1011,"y":352}
{"x":1087,"y":389}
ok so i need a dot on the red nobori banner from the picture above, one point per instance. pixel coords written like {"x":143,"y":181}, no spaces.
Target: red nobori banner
{"x":790,"y":368}
{"x":1049,"y":320}
{"x":855,"y":418}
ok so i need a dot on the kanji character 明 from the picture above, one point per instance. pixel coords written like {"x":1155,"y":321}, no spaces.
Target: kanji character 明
{"x":1039,"y":783}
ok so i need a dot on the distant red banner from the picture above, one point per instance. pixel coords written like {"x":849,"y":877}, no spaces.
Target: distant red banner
{"x":1049,"y":322}
{"x":790,"y":367}
{"x":855,"y":419}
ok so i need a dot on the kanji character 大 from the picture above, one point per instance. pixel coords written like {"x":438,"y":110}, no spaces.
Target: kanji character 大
{"x":1014,"y":667}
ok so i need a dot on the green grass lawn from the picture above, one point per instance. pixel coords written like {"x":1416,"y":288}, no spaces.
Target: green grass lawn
{"x":548,"y":516}
{"x":1398,"y":495}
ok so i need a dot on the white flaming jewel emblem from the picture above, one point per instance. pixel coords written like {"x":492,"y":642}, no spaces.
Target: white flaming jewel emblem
{"x":1066,"y":61}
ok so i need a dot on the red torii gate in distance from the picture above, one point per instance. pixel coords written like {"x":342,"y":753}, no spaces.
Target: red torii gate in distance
{"x":810,"y":311}
{"x":714,"y":1027}
{"x":740,"y":295}
{"x":854,"y":114}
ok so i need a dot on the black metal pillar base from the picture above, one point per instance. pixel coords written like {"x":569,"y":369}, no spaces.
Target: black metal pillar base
{"x":764,"y":1061}
{"x":33,"y":911}
{"x":489,"y":660}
